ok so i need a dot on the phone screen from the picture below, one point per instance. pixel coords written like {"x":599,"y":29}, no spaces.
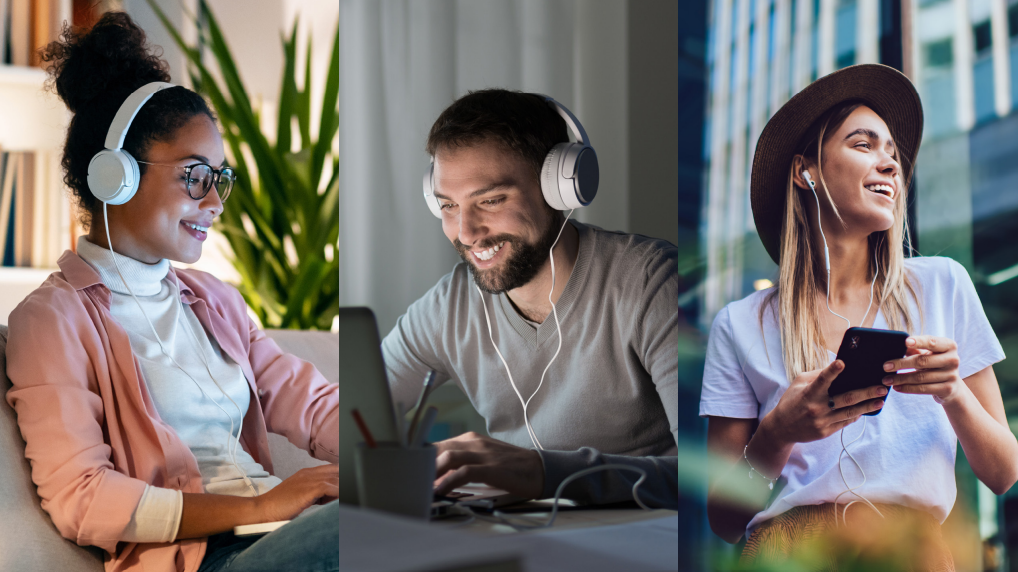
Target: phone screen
{"x":864,"y":352}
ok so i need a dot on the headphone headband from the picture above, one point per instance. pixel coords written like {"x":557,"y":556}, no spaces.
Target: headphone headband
{"x":113,"y":174}
{"x":129,"y":109}
{"x":574,"y":124}
{"x":569,"y":176}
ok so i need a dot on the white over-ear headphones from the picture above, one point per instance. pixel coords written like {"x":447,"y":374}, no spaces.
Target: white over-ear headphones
{"x":113,"y":173}
{"x":569,"y":177}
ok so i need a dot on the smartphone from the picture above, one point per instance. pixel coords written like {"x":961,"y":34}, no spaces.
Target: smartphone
{"x":864,"y":351}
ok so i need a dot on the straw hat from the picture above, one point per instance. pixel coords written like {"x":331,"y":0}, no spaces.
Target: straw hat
{"x":883,"y":89}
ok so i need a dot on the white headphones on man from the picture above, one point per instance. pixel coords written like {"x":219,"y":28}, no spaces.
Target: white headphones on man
{"x":569,"y":177}
{"x":113,"y":173}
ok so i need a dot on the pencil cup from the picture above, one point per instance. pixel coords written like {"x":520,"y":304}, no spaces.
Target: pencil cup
{"x":396,"y":479}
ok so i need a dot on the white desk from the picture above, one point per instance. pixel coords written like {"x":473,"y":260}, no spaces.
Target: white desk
{"x":581,"y":540}
{"x":565,"y":520}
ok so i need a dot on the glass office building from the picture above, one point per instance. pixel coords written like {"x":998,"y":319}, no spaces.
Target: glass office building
{"x":761,"y":52}
{"x":962,"y":56}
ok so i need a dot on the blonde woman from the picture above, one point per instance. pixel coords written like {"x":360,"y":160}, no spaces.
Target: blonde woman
{"x":772,"y":355}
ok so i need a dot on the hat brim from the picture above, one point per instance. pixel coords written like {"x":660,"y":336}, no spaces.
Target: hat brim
{"x":884,"y":89}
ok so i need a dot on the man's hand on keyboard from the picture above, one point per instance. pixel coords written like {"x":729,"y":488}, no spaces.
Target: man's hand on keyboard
{"x":473,"y":458}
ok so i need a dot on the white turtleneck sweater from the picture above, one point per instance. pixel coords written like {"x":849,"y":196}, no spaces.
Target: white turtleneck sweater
{"x":200,"y":424}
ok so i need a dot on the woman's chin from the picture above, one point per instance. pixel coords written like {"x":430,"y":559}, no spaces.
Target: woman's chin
{"x":880,"y":223}
{"x":188,"y":256}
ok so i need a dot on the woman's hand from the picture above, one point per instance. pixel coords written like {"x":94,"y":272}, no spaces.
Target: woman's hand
{"x":303,"y":489}
{"x":805,"y":411}
{"x":935,"y":361}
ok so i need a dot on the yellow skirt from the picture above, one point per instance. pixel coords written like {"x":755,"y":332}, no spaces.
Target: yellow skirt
{"x":813,"y":538}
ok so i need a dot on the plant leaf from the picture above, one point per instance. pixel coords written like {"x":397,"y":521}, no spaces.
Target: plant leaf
{"x":304,"y":100}
{"x":330,"y":113}
{"x":288,"y":93}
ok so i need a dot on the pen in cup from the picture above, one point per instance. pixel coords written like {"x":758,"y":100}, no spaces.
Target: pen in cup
{"x":401,"y":424}
{"x":421,"y":399}
{"x":425,"y":427}
{"x":365,"y":432}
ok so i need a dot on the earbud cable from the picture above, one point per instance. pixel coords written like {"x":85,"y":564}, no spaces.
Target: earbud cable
{"x":844,"y":447}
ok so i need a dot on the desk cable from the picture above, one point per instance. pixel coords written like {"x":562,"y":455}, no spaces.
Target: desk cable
{"x":533,"y":523}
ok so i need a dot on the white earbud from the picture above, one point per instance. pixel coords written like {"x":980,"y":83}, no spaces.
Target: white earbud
{"x":827,"y":255}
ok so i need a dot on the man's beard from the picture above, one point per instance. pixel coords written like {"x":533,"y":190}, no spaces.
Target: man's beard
{"x":524,"y":262}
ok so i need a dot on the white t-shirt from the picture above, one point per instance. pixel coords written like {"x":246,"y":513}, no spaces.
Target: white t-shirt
{"x":907,"y":451}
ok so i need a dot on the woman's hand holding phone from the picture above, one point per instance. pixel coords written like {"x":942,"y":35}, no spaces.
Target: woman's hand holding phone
{"x":804,"y":413}
{"x":935,"y":361}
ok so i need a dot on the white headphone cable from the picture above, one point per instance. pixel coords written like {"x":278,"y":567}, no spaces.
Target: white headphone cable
{"x":240,"y":414}
{"x":844,"y":447}
{"x":167,"y":354}
{"x":558,"y":328}
{"x":851,"y":489}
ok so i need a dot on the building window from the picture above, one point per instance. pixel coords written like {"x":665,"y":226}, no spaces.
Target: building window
{"x":981,"y":34}
{"x":939,"y":54}
{"x":1012,"y":20}
{"x":845,"y":32}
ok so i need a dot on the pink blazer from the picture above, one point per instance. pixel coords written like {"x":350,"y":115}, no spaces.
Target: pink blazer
{"x":92,"y":433}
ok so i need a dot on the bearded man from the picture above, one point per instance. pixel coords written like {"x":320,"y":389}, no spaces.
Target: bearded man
{"x":595,"y":382}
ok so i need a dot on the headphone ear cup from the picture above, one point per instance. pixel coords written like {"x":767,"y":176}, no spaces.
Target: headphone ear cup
{"x":579,"y":187}
{"x":549,"y":178}
{"x":113,"y":176}
{"x":429,"y":191}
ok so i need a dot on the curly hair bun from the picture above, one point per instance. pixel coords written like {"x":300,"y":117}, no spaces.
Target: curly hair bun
{"x":99,"y":68}
{"x":93,"y":72}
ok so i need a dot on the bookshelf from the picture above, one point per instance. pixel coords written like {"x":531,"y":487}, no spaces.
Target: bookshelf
{"x":33,"y":123}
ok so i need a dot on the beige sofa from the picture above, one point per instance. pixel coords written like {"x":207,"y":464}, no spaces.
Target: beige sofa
{"x":28,"y":540}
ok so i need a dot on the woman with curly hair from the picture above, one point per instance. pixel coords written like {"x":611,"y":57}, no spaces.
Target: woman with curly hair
{"x":144,"y":392}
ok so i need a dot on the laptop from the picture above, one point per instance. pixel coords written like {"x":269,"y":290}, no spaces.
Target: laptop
{"x":364,"y":385}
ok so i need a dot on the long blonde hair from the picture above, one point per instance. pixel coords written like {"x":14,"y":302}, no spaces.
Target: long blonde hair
{"x":803,"y":275}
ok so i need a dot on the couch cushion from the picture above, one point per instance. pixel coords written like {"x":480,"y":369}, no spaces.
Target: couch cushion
{"x":321,"y":349}
{"x":28,"y":539}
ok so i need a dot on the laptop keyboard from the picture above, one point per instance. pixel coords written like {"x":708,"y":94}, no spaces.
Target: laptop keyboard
{"x":454,"y":495}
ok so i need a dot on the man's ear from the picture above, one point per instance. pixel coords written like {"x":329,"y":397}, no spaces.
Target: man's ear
{"x":799,"y":164}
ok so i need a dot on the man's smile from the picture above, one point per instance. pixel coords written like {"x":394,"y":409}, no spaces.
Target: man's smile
{"x":488,"y":254}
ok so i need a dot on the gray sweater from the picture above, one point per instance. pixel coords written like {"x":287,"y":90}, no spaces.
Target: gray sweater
{"x":611,"y":396}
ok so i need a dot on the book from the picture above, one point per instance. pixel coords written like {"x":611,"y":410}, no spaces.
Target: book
{"x":24,"y":207}
{"x":4,"y":30}
{"x":8,"y":174}
{"x":21,"y":31}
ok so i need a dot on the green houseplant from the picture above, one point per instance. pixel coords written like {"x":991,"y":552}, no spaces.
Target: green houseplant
{"x":282,"y":223}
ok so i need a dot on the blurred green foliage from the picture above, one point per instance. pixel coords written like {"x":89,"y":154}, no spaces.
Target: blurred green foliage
{"x":282,"y":222}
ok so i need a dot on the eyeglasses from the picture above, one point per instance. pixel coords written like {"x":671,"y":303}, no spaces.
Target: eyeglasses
{"x":201,"y":177}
